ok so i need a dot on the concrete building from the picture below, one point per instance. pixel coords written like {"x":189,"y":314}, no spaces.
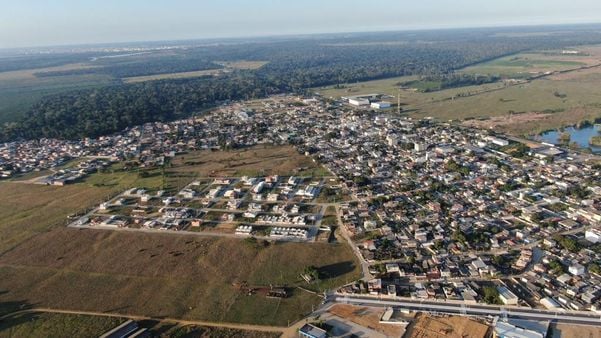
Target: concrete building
{"x":593,"y":235}
{"x":381,"y":105}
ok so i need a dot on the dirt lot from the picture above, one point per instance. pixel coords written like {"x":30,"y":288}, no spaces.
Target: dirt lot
{"x":366,"y":317}
{"x":426,"y":326}
{"x":574,"y":331}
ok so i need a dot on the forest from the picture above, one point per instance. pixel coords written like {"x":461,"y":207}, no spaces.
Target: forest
{"x":294,"y":64}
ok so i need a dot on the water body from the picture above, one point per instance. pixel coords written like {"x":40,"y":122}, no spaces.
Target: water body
{"x":580,"y":136}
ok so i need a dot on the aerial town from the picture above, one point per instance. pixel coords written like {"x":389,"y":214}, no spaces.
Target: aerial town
{"x":434,"y":211}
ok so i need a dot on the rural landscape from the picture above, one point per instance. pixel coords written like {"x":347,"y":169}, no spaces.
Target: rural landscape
{"x":419,"y":182}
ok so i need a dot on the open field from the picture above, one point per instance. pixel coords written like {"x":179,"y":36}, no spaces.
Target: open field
{"x":43,"y":325}
{"x":242,"y":64}
{"x":260,"y":160}
{"x":426,"y":326}
{"x":167,"y":275}
{"x":565,"y":331}
{"x":229,"y":65}
{"x":27,"y":210}
{"x":527,"y":64}
{"x":44,"y":264}
{"x":529,"y":107}
{"x":563,"y":101}
{"x":182,"y":75}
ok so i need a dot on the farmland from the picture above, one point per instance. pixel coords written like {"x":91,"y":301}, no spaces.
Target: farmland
{"x":159,"y":275}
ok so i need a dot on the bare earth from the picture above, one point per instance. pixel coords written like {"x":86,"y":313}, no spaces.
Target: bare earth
{"x":426,"y":326}
{"x":366,"y":317}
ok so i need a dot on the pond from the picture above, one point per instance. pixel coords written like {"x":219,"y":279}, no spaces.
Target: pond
{"x":580,"y":136}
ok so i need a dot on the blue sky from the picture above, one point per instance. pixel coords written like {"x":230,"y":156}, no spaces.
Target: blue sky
{"x":56,"y":22}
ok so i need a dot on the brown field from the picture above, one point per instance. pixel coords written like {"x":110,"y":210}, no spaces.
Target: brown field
{"x":426,"y":326}
{"x":259,"y":160}
{"x":42,"y":325}
{"x":44,"y":264}
{"x":576,"y":331}
{"x":366,"y":317}
{"x":166,"y":275}
{"x":27,"y":210}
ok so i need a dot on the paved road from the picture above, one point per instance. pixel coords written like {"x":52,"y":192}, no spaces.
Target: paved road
{"x":569,"y":317}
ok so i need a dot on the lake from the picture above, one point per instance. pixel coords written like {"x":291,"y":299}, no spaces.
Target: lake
{"x":580,"y":136}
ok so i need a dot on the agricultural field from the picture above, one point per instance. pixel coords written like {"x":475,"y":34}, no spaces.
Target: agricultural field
{"x":41,"y":325}
{"x":42,"y":262}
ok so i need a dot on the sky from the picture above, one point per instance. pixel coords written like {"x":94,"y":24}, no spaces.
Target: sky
{"x":29,"y":23}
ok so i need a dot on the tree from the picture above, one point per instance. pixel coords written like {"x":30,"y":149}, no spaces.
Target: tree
{"x":491,"y":295}
{"x":311,"y":272}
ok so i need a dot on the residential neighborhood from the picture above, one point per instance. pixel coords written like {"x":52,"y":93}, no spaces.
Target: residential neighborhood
{"x":434,"y":211}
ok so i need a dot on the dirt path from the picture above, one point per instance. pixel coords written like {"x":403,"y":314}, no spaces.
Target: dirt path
{"x":250,"y":327}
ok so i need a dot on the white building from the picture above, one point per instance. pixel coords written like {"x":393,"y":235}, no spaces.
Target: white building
{"x":577,"y":269}
{"x":593,"y":235}
{"x":506,"y":296}
{"x":358,"y":102}
{"x":380,"y":105}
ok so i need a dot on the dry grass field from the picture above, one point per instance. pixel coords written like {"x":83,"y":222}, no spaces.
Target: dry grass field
{"x":42,"y":325}
{"x":44,"y":264}
{"x":259,"y":160}
{"x":167,"y":275}
{"x":569,"y":331}
{"x":546,"y":103}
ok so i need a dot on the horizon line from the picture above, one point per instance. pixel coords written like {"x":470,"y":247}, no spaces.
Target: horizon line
{"x":293,"y":35}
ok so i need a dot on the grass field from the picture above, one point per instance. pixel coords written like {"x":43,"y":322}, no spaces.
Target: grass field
{"x":166,"y":275}
{"x":248,"y":65}
{"x":43,"y":263}
{"x":182,"y":75}
{"x":42,"y":325}
{"x":531,"y":107}
{"x":526,"y":64}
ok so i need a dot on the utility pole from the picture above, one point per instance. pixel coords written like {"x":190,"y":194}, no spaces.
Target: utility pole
{"x":398,"y":105}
